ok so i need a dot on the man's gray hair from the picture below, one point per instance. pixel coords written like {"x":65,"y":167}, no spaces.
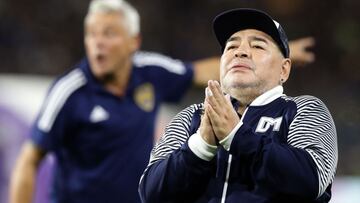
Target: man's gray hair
{"x":131,"y":15}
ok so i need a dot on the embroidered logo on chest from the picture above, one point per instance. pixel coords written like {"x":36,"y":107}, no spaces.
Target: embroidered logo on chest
{"x":144,"y":97}
{"x":266,"y":122}
{"x":98,"y":114}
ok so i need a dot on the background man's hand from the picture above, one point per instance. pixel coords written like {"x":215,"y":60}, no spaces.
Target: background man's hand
{"x":299,"y":51}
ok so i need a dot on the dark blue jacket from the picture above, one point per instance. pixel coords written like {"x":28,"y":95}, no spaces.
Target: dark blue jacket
{"x":285,"y":151}
{"x":101,"y":141}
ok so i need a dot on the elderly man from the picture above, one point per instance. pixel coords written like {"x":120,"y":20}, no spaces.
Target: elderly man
{"x":248,"y":142}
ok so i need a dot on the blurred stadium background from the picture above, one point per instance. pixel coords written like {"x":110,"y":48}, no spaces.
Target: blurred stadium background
{"x":40,"y":39}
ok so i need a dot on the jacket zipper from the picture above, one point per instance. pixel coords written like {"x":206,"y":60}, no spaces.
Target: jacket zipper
{"x":223,"y":197}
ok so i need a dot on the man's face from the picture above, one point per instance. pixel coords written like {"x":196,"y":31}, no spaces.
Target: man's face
{"x":252,"y":62}
{"x":108,"y":44}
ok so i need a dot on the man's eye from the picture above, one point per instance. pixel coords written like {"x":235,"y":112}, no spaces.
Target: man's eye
{"x":257,"y":47}
{"x":90,"y":33}
{"x":109,"y":33}
{"x":230,"y":47}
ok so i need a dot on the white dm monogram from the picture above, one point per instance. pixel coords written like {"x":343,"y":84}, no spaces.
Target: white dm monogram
{"x":266,"y":122}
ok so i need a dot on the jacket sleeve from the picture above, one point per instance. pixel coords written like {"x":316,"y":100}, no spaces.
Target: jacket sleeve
{"x":176,"y":75}
{"x":175,"y":173}
{"x":55,"y":119}
{"x":305,"y":165}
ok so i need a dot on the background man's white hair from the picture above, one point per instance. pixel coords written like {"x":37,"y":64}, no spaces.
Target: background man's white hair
{"x":131,"y":15}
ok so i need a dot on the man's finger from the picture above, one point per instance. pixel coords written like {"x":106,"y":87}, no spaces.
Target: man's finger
{"x":212,"y":115}
{"x":215,"y":88}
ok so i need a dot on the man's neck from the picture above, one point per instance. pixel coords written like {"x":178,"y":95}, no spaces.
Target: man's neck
{"x":257,"y":97}
{"x":119,"y":83}
{"x":244,"y":100}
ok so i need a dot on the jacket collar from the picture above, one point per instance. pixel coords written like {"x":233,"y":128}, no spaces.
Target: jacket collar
{"x":268,"y":96}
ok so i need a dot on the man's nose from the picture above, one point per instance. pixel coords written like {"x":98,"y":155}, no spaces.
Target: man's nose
{"x":242,"y":51}
{"x":99,"y":41}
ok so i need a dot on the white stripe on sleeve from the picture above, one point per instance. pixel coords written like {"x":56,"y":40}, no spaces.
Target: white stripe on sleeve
{"x":313,"y":129}
{"x":143,"y":59}
{"x":58,"y":96}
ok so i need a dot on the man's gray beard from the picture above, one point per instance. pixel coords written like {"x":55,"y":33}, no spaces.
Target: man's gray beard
{"x":245,"y":93}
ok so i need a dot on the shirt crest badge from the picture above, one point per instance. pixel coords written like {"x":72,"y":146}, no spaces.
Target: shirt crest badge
{"x":266,"y":122}
{"x":144,"y":97}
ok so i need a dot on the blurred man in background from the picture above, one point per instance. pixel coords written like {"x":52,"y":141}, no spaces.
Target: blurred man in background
{"x":98,"y":119}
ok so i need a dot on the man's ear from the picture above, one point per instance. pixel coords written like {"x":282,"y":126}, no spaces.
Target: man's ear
{"x":136,"y":42}
{"x":285,"y":70}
